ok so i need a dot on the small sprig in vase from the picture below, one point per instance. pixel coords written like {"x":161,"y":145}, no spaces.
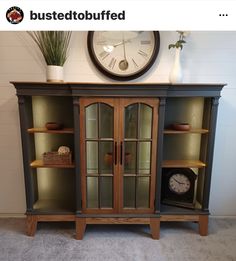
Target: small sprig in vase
{"x":176,"y":71}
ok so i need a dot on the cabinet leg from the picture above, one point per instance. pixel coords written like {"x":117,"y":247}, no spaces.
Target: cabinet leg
{"x":155,"y":227}
{"x":31,"y":225}
{"x":80,"y":228}
{"x":203,"y":225}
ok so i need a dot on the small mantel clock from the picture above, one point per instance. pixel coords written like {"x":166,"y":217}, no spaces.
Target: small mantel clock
{"x":178,"y":186}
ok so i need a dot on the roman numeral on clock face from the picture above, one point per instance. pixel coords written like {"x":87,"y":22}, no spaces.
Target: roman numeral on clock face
{"x":145,"y":42}
{"x":112,"y":63}
{"x":103,"y":55}
{"x":135,"y":64}
{"x":142,"y":53}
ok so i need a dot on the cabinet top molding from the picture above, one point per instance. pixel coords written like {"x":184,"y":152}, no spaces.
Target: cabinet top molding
{"x":119,"y":89}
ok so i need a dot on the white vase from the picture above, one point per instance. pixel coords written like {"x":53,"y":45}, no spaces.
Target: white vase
{"x":54,"y":73}
{"x":176,"y":71}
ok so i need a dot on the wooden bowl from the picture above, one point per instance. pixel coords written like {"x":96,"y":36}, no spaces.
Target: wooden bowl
{"x":108,"y":158}
{"x":54,"y":126}
{"x":181,"y":126}
{"x":128,"y":158}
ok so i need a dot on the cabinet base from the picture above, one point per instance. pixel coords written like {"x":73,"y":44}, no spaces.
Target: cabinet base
{"x":202,"y":221}
{"x":32,"y":221}
{"x":82,"y":222}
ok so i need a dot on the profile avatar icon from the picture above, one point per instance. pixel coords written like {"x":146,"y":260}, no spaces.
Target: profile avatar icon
{"x":14,"y":15}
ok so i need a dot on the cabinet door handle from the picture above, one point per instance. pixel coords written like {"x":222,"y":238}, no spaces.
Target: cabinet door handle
{"x":121,"y":153}
{"x":115,"y":156}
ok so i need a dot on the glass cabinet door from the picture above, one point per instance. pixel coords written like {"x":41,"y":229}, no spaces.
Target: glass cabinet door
{"x":139,"y":142}
{"x":99,"y":147}
{"x":118,"y":154}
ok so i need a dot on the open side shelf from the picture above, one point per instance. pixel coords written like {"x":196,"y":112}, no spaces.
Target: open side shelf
{"x":183,"y":164}
{"x":39,"y":164}
{"x":52,"y":206}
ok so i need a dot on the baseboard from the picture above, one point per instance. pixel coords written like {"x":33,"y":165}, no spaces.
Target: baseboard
{"x":12,"y":215}
{"x":231,"y":216}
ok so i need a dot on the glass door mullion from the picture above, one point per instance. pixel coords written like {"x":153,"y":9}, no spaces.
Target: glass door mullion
{"x":99,"y":159}
{"x":99,"y":156}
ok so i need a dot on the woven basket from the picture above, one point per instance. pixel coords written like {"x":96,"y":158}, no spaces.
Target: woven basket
{"x":53,"y":158}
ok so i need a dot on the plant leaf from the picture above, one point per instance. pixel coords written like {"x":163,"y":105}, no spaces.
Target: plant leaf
{"x":53,"y":45}
{"x":171,"y":46}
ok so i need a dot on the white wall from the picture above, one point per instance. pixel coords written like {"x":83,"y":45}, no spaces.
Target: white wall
{"x":207,"y":57}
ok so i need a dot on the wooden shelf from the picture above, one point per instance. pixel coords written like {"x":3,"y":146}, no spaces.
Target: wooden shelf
{"x":39,"y":164}
{"x":197,"y":131}
{"x":44,"y":130}
{"x":175,"y":210}
{"x":54,"y":206}
{"x":183,"y":164}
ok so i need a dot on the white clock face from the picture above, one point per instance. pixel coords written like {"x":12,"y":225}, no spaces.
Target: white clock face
{"x":124,"y":53}
{"x":179,"y":183}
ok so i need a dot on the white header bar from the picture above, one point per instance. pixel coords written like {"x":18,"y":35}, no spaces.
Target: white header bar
{"x":79,"y":15}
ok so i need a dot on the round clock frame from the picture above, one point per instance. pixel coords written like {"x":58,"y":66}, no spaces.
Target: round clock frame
{"x":123,"y":59}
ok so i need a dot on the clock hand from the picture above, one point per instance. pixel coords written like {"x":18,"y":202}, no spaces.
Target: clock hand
{"x":178,"y":181}
{"x":123,"y":40}
{"x":109,"y":48}
{"x":120,"y":43}
{"x":123,"y":65}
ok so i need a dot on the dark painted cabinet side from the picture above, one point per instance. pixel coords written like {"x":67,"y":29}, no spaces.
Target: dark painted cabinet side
{"x":28,"y":150}
{"x":210,"y":151}
{"x":161,"y":117}
{"x":76,"y":106}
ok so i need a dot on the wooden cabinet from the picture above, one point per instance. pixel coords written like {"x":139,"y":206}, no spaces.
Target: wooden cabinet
{"x":122,"y":143}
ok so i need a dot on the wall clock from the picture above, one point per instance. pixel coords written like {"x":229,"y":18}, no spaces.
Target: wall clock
{"x":123,"y":55}
{"x":178,"y":187}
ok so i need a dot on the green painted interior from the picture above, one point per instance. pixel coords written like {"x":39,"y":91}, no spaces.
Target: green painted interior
{"x":183,"y":110}
{"x":54,"y":184}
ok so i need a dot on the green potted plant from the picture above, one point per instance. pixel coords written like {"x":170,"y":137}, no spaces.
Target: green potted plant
{"x":54,"y":47}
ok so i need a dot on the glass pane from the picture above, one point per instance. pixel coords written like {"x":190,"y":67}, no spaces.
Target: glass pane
{"x":144,"y":154}
{"x":106,"y":157}
{"x":145,"y":122}
{"x":106,"y":190}
{"x":106,"y":121}
{"x":92,"y":157}
{"x":129,"y":192}
{"x":92,"y":121}
{"x":92,"y":192}
{"x":143,"y":192}
{"x":130,"y":157}
{"x":131,"y":121}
